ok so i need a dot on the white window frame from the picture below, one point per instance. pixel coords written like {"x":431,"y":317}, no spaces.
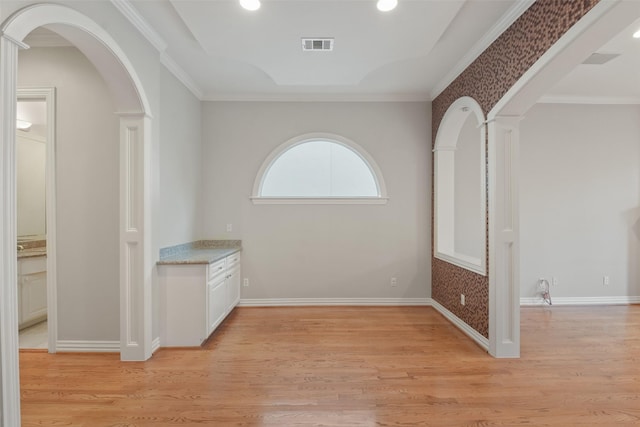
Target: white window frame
{"x":380,"y":199}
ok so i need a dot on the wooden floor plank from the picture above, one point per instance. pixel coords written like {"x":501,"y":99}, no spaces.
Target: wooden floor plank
{"x":354,"y":366}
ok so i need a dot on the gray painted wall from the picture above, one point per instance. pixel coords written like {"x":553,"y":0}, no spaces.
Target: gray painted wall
{"x":87,"y":191}
{"x":580,"y":199}
{"x":322,"y":251}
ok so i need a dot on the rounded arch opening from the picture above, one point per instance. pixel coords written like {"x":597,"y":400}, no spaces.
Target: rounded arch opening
{"x":460,"y":187}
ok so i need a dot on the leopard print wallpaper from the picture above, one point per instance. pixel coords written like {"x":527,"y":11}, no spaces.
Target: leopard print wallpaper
{"x":486,"y":80}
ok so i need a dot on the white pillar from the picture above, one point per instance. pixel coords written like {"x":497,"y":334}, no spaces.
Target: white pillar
{"x":504,"y":237}
{"x":135,"y":246}
{"x":9,"y":369}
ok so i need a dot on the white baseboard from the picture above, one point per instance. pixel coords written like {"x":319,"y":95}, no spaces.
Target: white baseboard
{"x":155,"y":344}
{"x":582,"y":300}
{"x":293,"y":302}
{"x":88,"y":346}
{"x":468,"y":330}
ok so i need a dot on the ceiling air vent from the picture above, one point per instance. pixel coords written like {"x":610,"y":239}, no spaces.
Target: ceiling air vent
{"x":600,"y":58}
{"x":325,"y":44}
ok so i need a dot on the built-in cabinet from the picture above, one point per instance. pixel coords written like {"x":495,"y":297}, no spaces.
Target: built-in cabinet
{"x":196,"y":298}
{"x":32,"y":291}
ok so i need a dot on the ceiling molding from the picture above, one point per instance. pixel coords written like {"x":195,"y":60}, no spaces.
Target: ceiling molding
{"x":505,"y":22}
{"x":589,"y":100}
{"x":181,"y":75}
{"x":141,"y":24}
{"x":316,"y":97}
{"x":148,"y":32}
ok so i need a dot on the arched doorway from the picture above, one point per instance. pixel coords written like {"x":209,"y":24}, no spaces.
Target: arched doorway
{"x":134,"y":241}
{"x":587,"y":35}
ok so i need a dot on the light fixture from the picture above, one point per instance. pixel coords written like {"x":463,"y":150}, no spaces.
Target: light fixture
{"x":250,"y":4}
{"x":387,"y":5}
{"x":23,"y":125}
{"x":636,"y":35}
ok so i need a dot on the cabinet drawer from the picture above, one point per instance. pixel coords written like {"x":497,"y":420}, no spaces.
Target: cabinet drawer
{"x":216,"y":269}
{"x":233,"y":260}
{"x":32,"y":265}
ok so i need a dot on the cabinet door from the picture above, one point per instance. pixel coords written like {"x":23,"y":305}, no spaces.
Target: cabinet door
{"x":33,"y":297}
{"x":233,"y":287}
{"x":216,"y":294}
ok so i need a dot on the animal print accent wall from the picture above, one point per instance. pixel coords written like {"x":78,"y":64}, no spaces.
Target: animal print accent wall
{"x":486,"y":80}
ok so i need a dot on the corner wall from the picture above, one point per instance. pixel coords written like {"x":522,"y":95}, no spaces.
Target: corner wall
{"x":486,"y":80}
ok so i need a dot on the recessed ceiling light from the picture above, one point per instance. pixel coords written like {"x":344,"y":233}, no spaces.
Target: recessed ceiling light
{"x":250,"y":4}
{"x":636,"y":35}
{"x":387,"y":5}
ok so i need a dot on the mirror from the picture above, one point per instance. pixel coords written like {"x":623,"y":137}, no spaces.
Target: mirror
{"x":31,"y":158}
{"x":460,"y":187}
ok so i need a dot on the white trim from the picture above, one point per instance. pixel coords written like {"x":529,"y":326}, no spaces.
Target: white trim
{"x":151,"y":35}
{"x":481,"y":45}
{"x":297,"y":302}
{"x":82,"y":346}
{"x":317,"y":97}
{"x":375,"y":170}
{"x":148,"y":32}
{"x":9,"y":367}
{"x":460,"y":324}
{"x":319,"y":200}
{"x":180,"y":74}
{"x":504,"y":237}
{"x":155,"y":344}
{"x":625,"y":300}
{"x":49,"y":96}
{"x":589,"y":100}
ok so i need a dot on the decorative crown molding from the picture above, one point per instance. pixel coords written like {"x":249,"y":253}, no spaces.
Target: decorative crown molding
{"x":148,"y":32}
{"x":181,"y":75}
{"x":589,"y":100}
{"x":141,"y":24}
{"x":505,"y":22}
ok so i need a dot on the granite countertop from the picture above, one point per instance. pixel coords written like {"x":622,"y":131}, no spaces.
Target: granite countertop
{"x":32,"y":248}
{"x":199,"y":252}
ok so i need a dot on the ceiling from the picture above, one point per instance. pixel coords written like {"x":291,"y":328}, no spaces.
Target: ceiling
{"x":616,"y":81}
{"x":229,"y":53}
{"x":223,"y":52}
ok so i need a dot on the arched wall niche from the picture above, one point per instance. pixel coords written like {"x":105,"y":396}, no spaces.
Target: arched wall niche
{"x":460,"y":187}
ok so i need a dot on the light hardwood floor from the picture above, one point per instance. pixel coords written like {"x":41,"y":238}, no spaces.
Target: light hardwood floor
{"x":354,"y":366}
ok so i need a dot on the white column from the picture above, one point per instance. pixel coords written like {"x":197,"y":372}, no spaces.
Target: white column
{"x":504,"y":238}
{"x":9,"y":370}
{"x":135,"y":246}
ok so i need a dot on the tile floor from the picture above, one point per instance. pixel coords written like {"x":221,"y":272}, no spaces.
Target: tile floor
{"x":34,"y":336}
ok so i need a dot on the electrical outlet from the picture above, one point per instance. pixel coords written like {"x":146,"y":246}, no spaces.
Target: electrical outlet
{"x":245,"y":282}
{"x":462,"y":299}
{"x":394,"y":282}
{"x":605,"y":280}
{"x":229,"y":228}
{"x":554,"y":281}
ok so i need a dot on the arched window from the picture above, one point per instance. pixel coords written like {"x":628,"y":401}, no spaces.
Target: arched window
{"x":319,"y":168}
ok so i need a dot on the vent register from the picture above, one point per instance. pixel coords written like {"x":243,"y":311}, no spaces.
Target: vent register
{"x":317,"y":44}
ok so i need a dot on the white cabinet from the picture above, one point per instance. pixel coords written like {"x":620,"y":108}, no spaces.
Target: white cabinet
{"x":32,"y":291}
{"x":195,"y":299}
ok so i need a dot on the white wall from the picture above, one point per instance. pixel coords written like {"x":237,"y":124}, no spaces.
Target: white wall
{"x":580,"y":199}
{"x":30,"y":182}
{"x":177,"y":206}
{"x":468,"y":207}
{"x":178,"y":218}
{"x":322,"y":251}
{"x":87,"y":191}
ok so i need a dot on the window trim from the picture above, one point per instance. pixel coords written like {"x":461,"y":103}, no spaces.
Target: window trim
{"x":380,"y":199}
